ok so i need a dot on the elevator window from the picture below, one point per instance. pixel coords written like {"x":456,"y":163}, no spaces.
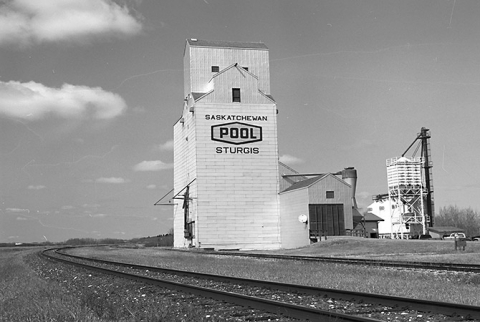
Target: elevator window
{"x":236,"y":95}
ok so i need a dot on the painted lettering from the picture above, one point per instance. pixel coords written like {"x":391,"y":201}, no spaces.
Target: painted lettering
{"x":236,"y":150}
{"x":223,"y":131}
{"x":224,"y":117}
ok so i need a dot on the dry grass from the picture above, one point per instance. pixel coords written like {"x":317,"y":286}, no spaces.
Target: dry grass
{"x":463,"y":288}
{"x":25,"y":296}
{"x":440,"y":251}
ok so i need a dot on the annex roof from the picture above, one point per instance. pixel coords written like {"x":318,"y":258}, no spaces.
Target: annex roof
{"x":371,"y":217}
{"x":446,"y":229}
{"x":305,"y":183}
{"x":226,"y":44}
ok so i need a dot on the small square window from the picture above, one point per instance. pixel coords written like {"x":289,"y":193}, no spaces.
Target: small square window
{"x":215,"y":69}
{"x":246,"y":68}
{"x":330,"y":195}
{"x":381,"y":208}
{"x":236,"y":95}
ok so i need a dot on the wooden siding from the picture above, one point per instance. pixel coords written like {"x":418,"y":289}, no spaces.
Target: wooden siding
{"x":294,"y":233}
{"x":327,"y":219}
{"x":234,"y":78}
{"x":200,"y":60}
{"x":237,"y":192}
{"x":184,"y":171}
{"x":342,"y":195}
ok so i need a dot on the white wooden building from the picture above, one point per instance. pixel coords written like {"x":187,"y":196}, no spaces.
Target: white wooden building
{"x":226,"y":170}
{"x":225,"y":149}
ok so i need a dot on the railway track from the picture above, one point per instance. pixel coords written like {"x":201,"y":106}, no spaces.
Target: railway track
{"x":296,"y":301}
{"x":453,"y":267}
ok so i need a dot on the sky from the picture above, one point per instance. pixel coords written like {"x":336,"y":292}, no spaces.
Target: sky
{"x":90,"y":90}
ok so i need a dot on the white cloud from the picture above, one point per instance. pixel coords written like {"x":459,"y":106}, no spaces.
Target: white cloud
{"x":39,"y":187}
{"x":34,"y":101}
{"x":98,"y":215}
{"x":151,"y":186}
{"x":111,"y":180}
{"x":155,"y":165}
{"x":86,"y":205}
{"x":167,"y":146}
{"x":28,"y":21}
{"x":17,"y":210}
{"x":288,"y":159}
{"x":21,"y":218}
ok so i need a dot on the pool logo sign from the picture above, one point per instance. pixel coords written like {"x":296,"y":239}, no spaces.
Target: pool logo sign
{"x":236,"y":133}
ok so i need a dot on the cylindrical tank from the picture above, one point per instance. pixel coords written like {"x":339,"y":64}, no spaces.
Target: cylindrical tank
{"x":349,"y":175}
{"x":403,"y":172}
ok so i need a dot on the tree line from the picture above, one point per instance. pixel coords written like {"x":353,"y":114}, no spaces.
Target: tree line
{"x":466,"y":219}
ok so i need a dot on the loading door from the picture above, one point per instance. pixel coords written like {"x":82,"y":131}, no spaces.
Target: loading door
{"x":326,"y":219}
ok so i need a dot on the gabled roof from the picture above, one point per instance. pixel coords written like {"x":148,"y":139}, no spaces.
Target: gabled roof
{"x":305,"y":183}
{"x":238,"y":67}
{"x":226,"y":44}
{"x":270,"y":97}
{"x":197,"y":96}
{"x":446,"y":229}
{"x":371,"y":217}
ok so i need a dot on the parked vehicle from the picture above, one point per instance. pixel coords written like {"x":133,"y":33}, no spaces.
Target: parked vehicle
{"x":425,"y":236}
{"x":476,"y":238}
{"x":455,"y":235}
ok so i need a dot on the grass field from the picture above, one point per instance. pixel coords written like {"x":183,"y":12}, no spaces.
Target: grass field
{"x":27,"y":296}
{"x":392,"y":249}
{"x":462,"y":288}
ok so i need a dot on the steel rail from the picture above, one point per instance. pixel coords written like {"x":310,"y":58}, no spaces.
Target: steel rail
{"x":472,"y":268}
{"x":450,"y":309}
{"x":280,"y":308}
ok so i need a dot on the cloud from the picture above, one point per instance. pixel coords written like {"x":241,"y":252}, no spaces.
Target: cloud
{"x":26,"y":22}
{"x":31,"y":101}
{"x":39,"y":187}
{"x":288,"y":159}
{"x":151,"y":186}
{"x":155,"y":165}
{"x":98,"y":215}
{"x":86,"y":205}
{"x":111,"y":180}
{"x":21,"y":218}
{"x":17,"y":210}
{"x":167,"y":146}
